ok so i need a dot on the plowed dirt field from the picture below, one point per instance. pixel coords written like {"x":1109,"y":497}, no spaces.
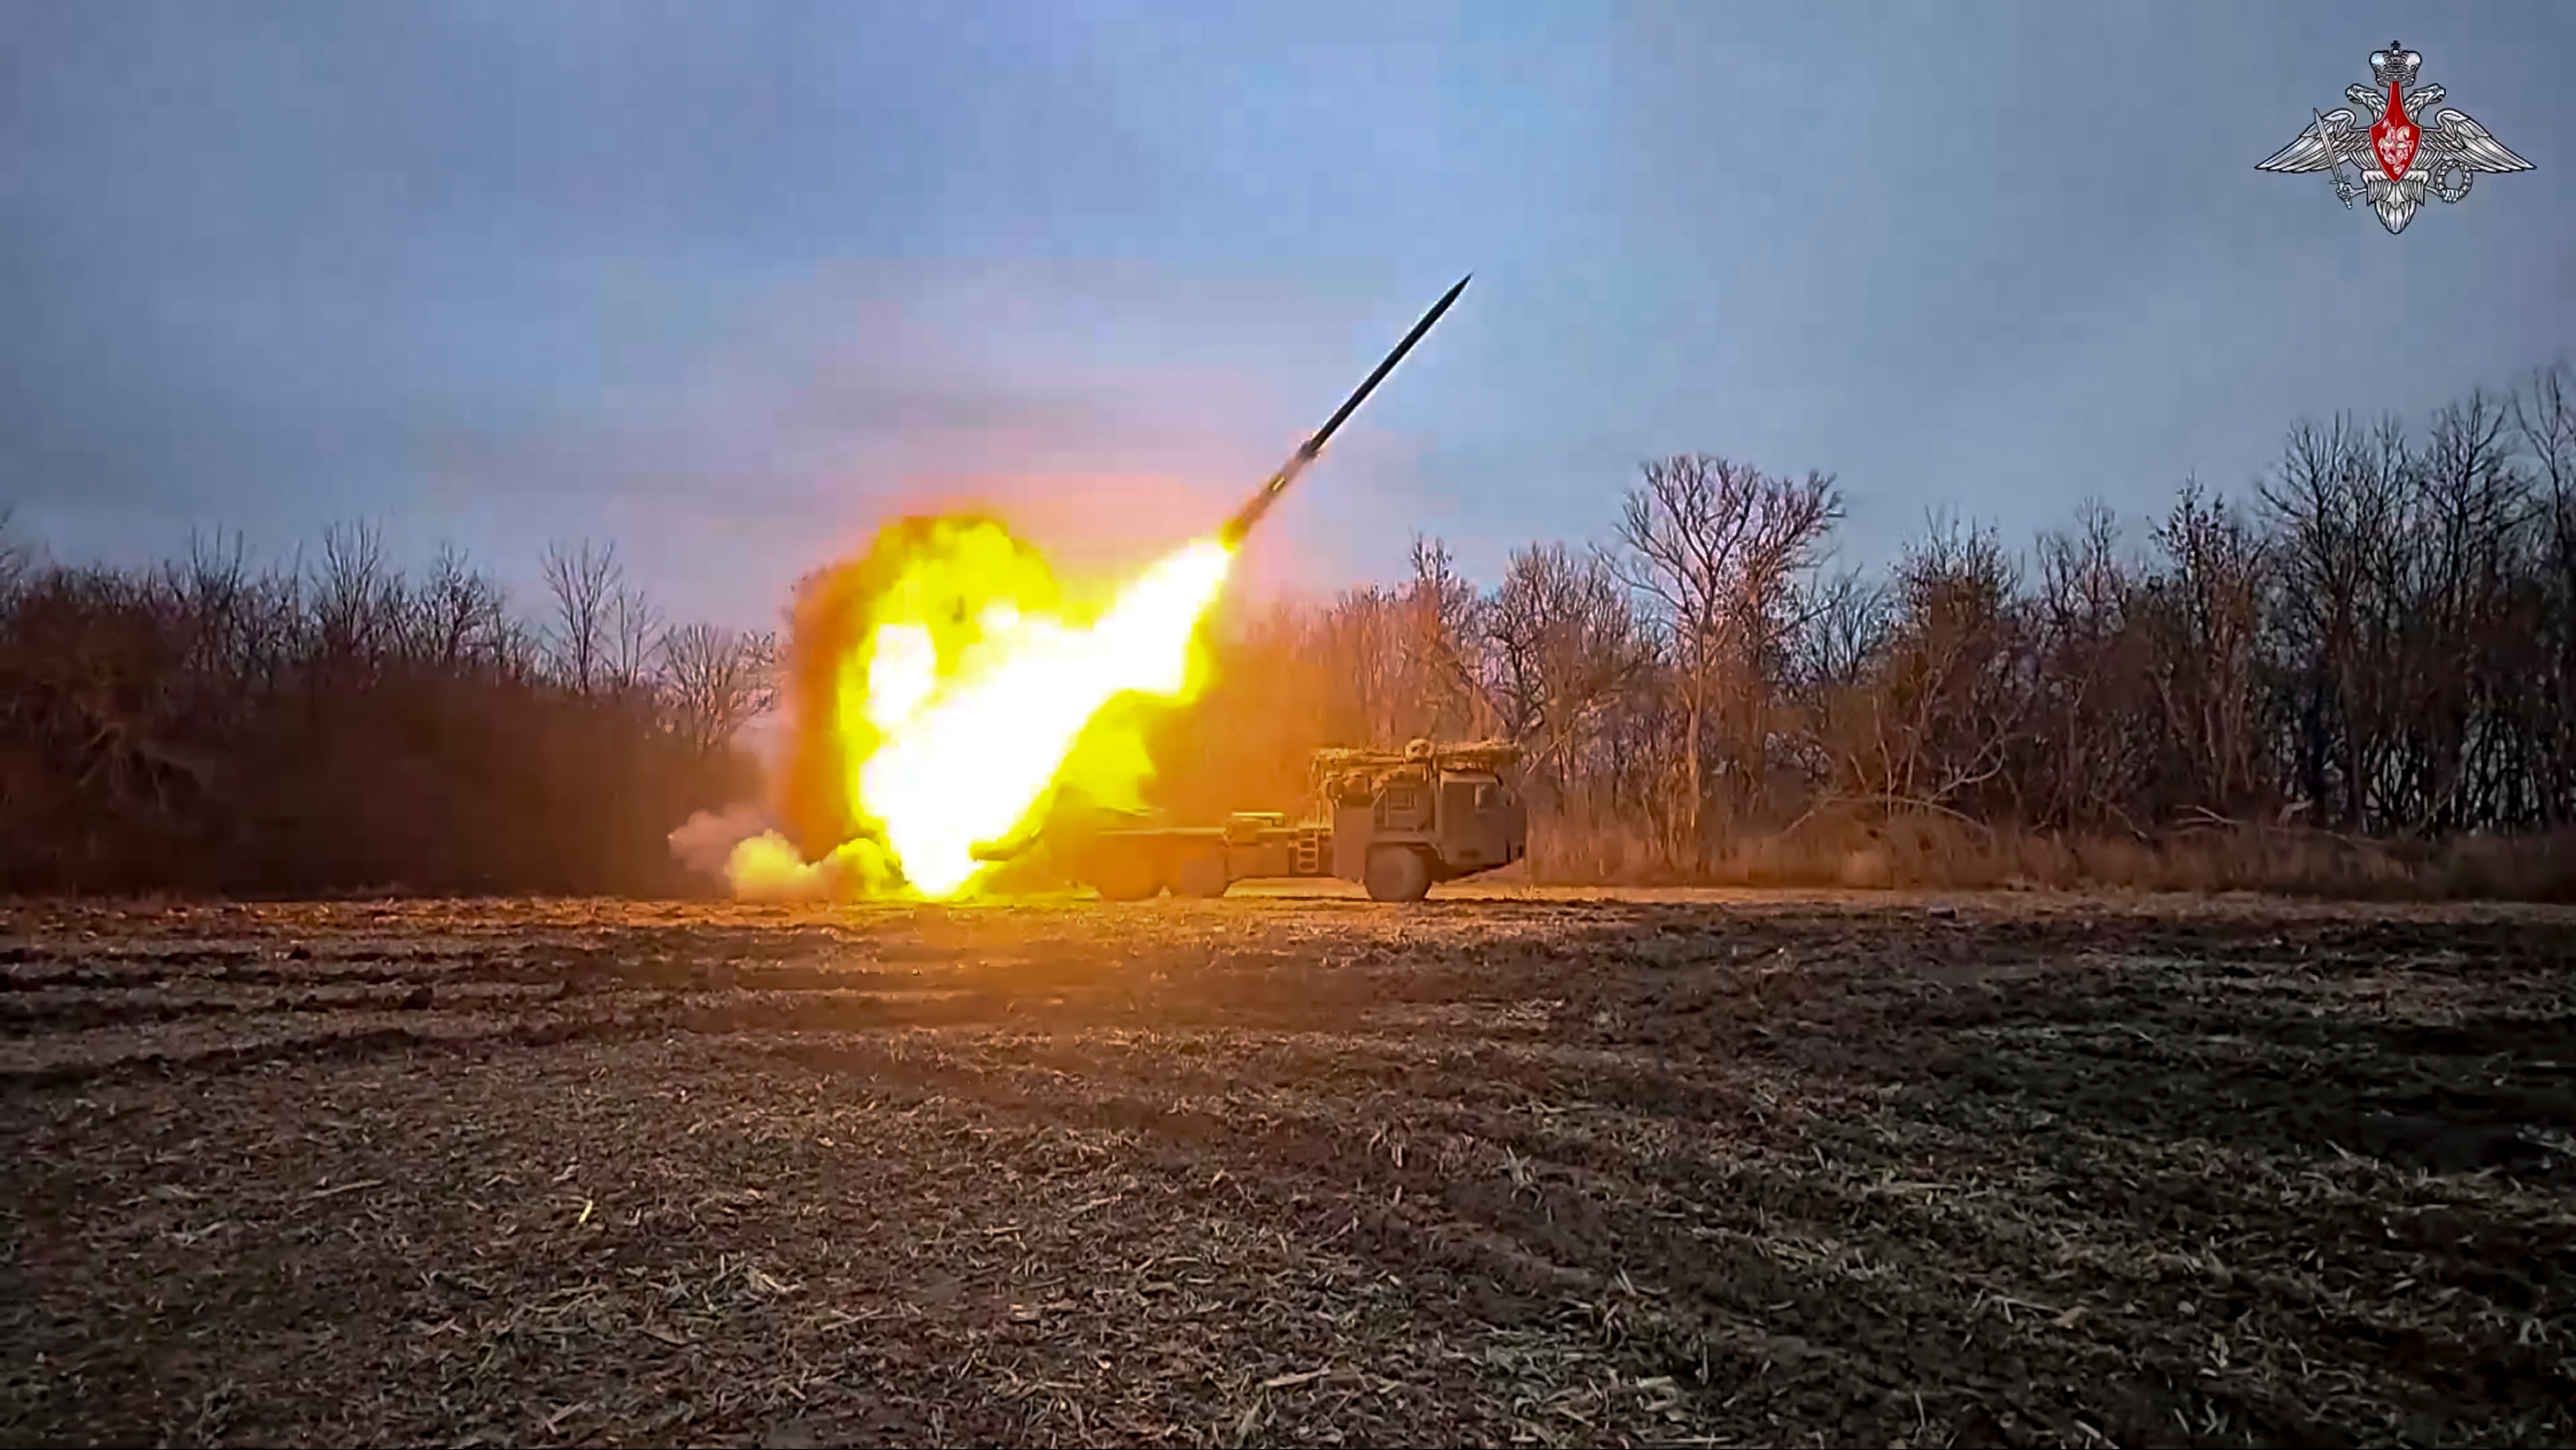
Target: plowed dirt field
{"x":1695,"y":1169}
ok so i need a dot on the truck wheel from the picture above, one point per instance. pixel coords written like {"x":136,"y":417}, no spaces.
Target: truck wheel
{"x":1125,"y":878}
{"x":1397,"y":873}
{"x":1201,"y":875}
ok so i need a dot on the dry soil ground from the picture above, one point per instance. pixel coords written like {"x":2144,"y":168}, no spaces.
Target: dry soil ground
{"x":1707,"y":1170}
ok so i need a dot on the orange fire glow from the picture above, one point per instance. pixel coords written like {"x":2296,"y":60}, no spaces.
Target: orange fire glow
{"x":961,"y":693}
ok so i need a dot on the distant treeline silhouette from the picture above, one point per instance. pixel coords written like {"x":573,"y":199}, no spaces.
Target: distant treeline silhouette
{"x":211,"y":726}
{"x":2359,"y":676}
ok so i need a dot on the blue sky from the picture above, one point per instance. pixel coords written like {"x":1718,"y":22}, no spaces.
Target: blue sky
{"x":729,"y":284}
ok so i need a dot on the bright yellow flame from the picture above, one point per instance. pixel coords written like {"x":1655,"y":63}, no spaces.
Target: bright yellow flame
{"x":766,"y":868}
{"x":967,"y":744}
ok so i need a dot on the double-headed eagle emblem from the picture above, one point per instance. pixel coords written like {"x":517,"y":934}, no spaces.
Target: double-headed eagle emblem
{"x":2398,"y":157}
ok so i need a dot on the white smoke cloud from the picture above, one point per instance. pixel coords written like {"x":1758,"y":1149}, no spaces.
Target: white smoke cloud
{"x":707,"y":840}
{"x":739,"y":846}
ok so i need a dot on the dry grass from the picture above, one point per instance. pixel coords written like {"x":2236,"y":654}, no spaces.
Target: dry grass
{"x":1919,"y":851}
{"x":1533,"y":1169}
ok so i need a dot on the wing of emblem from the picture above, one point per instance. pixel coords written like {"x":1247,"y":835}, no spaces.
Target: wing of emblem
{"x":2462,"y":142}
{"x":2370,"y":100}
{"x":2314,"y":152}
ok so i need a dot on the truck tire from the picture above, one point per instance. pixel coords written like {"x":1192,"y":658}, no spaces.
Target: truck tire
{"x":1397,"y":873}
{"x":1202,"y":875}
{"x":1121,"y":876}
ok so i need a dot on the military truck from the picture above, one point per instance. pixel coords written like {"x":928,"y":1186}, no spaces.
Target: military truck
{"x":1394,"y":821}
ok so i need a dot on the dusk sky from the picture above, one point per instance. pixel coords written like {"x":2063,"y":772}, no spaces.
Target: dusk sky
{"x":731,"y":284}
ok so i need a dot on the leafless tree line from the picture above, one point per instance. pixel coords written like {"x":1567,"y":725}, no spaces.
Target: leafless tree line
{"x":336,"y":723}
{"x":2378,"y":640}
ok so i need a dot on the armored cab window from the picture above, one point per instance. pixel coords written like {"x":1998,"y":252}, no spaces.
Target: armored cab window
{"x":1464,"y":798}
{"x":1402,"y":804}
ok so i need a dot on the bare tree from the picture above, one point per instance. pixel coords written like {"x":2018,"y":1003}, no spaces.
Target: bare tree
{"x":2544,"y":415}
{"x":2472,"y":514}
{"x":1716,"y":549}
{"x":1953,"y":692}
{"x":460,"y":614}
{"x":17,"y":556}
{"x":356,"y":597}
{"x":1561,"y":640}
{"x":2089,"y":751}
{"x":717,"y":680}
{"x":1846,"y":619}
{"x":2201,"y":617}
{"x":585,"y":586}
{"x":1441,"y":622}
{"x":635,"y":628}
{"x":2336,"y":510}
{"x":1363,"y":633}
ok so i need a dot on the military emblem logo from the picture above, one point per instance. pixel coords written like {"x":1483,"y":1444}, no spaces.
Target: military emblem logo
{"x":2398,"y":159}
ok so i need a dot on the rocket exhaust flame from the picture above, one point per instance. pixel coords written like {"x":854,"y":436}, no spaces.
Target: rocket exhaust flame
{"x":944,"y":699}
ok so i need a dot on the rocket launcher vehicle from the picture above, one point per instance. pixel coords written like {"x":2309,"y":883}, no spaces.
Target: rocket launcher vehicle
{"x":1251,"y":513}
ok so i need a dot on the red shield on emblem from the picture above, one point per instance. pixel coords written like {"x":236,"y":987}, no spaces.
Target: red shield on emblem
{"x":2394,"y":137}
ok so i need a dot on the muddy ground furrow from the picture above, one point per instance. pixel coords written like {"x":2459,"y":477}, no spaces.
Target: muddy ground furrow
{"x":1712,"y":1169}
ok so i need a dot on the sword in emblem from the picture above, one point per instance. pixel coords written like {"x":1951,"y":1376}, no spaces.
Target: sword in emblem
{"x":2344,"y":190}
